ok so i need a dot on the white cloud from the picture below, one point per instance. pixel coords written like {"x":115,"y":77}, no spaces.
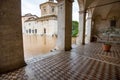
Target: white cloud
{"x":75,"y":15}
{"x":32,"y":6}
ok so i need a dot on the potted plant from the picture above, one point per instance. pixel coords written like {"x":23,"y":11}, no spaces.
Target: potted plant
{"x":107,"y":44}
{"x":106,"y":47}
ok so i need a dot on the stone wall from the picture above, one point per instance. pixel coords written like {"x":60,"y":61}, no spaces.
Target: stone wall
{"x":102,"y":17}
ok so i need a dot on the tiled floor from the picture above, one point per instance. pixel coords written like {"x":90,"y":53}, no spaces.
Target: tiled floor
{"x":87,"y":62}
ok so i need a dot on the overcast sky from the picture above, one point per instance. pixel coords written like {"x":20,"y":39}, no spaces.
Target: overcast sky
{"x":32,"y":6}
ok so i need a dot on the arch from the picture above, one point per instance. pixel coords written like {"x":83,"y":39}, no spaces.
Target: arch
{"x":103,"y":13}
{"x":85,"y":20}
{"x":81,"y":4}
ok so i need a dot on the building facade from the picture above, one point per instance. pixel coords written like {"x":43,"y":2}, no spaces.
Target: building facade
{"x":46,"y":24}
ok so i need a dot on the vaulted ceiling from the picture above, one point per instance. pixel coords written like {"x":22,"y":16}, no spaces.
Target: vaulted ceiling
{"x":109,"y":8}
{"x":103,"y":8}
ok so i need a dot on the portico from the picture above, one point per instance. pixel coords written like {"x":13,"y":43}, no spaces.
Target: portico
{"x":94,"y":15}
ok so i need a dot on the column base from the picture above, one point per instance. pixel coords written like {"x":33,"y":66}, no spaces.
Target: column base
{"x":10,"y":68}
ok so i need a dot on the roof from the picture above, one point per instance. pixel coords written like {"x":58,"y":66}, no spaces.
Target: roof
{"x":49,"y":2}
{"x":29,"y":14}
{"x":31,"y":19}
{"x":48,"y":17}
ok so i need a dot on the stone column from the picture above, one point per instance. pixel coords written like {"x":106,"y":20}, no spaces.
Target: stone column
{"x":11,"y":43}
{"x":64,"y":24}
{"x":88,"y":29}
{"x":82,"y":25}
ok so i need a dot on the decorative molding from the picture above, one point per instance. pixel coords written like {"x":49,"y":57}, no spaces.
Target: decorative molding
{"x":59,"y":0}
{"x":61,"y":4}
{"x":64,"y":0}
{"x":89,"y":17}
{"x":83,"y":11}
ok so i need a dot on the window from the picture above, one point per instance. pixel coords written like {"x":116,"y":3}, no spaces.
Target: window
{"x":35,"y":30}
{"x":44,"y":31}
{"x":26,"y":31}
{"x":29,"y":30}
{"x":32,"y":31}
{"x":53,"y":9}
{"x":44,"y":9}
{"x":113,"y":23}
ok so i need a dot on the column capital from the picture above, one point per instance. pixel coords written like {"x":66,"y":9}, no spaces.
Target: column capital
{"x":89,"y":17}
{"x":82,"y":11}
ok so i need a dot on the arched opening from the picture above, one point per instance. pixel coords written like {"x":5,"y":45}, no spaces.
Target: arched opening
{"x":39,"y":23}
{"x":85,"y":22}
{"x":75,"y":22}
{"x":105,"y":19}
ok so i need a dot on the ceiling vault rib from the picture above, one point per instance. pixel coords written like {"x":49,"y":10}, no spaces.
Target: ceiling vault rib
{"x":104,"y":4}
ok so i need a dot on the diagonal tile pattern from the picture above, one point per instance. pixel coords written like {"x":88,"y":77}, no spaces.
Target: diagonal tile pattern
{"x":87,"y":62}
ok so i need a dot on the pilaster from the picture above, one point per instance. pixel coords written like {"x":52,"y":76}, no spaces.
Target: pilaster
{"x":64,"y":24}
{"x":88,"y":29}
{"x":82,"y":27}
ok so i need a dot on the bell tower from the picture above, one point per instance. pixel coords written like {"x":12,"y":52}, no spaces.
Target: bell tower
{"x":48,"y":8}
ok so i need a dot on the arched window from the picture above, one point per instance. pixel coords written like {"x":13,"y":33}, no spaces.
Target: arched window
{"x":29,"y":30}
{"x":26,"y":31}
{"x":29,"y":23}
{"x":35,"y":30}
{"x":53,"y":9}
{"x":44,"y":9}
{"x":44,"y":31}
{"x":32,"y":31}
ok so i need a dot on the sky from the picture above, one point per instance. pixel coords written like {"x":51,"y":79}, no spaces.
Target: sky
{"x":32,"y":6}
